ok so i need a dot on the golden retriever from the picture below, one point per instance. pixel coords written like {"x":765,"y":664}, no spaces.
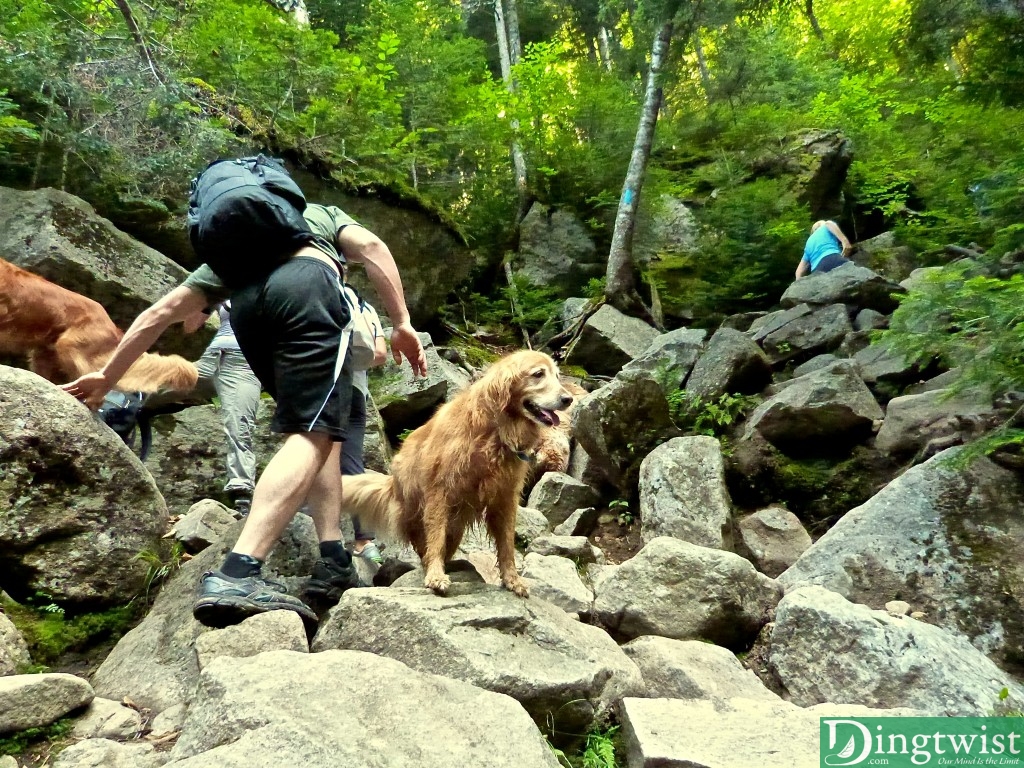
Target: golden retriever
{"x":467,"y":464}
{"x":65,"y":335}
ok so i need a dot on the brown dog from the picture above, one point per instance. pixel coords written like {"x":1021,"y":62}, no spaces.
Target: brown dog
{"x":65,"y":335}
{"x":467,"y":464}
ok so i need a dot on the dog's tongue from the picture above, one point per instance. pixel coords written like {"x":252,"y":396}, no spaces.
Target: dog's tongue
{"x":555,"y":421}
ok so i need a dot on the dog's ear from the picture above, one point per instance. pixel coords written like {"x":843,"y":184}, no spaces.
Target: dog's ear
{"x":499,"y":385}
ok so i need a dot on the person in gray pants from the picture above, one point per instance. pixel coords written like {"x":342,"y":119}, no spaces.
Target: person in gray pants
{"x":223,"y":371}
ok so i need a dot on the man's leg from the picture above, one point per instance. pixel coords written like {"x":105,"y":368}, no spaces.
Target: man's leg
{"x":237,"y":590}
{"x":333,"y":573}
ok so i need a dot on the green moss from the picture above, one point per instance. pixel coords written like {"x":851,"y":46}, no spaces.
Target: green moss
{"x":476,"y":355}
{"x":17,"y":743}
{"x":50,"y":633}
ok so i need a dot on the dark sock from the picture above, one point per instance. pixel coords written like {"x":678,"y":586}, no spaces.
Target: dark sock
{"x":240,"y":566}
{"x":336,"y":551}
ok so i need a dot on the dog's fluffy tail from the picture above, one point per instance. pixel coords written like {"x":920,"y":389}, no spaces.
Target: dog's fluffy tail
{"x":371,"y":497}
{"x":153,"y":373}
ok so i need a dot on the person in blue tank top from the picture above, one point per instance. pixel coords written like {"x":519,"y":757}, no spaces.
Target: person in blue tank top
{"x":825,"y":249}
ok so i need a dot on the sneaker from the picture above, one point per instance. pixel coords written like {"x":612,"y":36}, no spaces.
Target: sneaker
{"x":370,"y":552}
{"x":241,"y":500}
{"x":224,"y":600}
{"x":330,"y":580}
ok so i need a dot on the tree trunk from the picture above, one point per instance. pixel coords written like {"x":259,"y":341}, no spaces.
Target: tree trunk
{"x":140,"y":41}
{"x":620,"y":285}
{"x":509,"y":50}
{"x":604,"y":48}
{"x":809,"y":10}
{"x":702,"y":65}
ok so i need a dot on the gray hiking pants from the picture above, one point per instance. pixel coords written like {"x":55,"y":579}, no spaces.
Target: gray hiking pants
{"x":225,"y":372}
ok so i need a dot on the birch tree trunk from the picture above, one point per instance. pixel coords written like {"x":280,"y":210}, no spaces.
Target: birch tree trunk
{"x":509,"y":52}
{"x":702,"y":65}
{"x":604,"y":48}
{"x":620,"y":286}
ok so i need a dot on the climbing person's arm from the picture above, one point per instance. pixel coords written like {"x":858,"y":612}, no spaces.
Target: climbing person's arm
{"x":174,"y":307}
{"x":843,"y":239}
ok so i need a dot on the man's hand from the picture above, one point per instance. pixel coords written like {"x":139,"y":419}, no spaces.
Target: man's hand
{"x":90,"y":388}
{"x":404,"y":341}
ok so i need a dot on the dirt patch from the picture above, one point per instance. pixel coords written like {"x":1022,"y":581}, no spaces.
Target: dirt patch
{"x":618,"y":538}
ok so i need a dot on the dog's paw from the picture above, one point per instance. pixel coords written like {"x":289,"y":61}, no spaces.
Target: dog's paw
{"x":517,"y":586}
{"x":439,"y":584}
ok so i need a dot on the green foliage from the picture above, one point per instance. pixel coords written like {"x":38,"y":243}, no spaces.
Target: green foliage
{"x":51,"y":633}
{"x":622,"y":510}
{"x":598,"y":750}
{"x":17,"y":743}
{"x":712,"y":417}
{"x":160,"y":565}
{"x":1002,"y":709}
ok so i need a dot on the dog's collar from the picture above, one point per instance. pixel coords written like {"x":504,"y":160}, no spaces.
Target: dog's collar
{"x":519,"y":454}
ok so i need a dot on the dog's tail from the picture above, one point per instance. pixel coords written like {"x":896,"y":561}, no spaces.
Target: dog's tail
{"x":371,"y":497}
{"x":153,"y":373}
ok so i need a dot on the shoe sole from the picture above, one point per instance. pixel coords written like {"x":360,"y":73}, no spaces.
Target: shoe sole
{"x":326,"y":594}
{"x":226,"y":611}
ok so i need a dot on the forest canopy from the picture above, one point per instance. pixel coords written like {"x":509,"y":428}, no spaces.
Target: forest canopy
{"x":119,"y":101}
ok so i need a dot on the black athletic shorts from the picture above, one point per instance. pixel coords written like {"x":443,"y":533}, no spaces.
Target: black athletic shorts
{"x":289,"y":327}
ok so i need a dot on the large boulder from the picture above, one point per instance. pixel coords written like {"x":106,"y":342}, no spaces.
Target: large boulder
{"x":675,"y":589}
{"x":285,"y":708}
{"x":826,"y":649}
{"x":62,"y":238}
{"x":849,"y":284}
{"x":566,"y":674}
{"x":827,"y":408}
{"x":80,"y":506}
{"x":556,"y":250}
{"x":605,"y":426}
{"x":609,"y":341}
{"x":945,"y":539}
{"x":730,"y":363}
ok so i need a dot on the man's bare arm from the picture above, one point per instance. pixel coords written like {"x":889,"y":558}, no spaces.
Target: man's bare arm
{"x":174,"y":307}
{"x":361,"y":246}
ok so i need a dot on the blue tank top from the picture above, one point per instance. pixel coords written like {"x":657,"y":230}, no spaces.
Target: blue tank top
{"x":820,"y":244}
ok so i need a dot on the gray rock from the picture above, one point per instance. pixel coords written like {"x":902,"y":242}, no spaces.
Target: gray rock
{"x":530,"y":523}
{"x":817,"y":332}
{"x":605,"y":426}
{"x":82,"y":505}
{"x":609,"y":341}
{"x":914,"y":421}
{"x":826,"y":649}
{"x":575,"y":548}
{"x":675,"y":589}
{"x":13,"y":648}
{"x":773,"y":539}
{"x":556,"y":580}
{"x":683,"y":493}
{"x":276,"y":630}
{"x":556,"y":250}
{"x":274,"y":710}
{"x":566,"y":674}
{"x":849,"y":284}
{"x":579,"y":523}
{"x":106,"y":719}
{"x":945,"y":539}
{"x":730,"y":363}
{"x":32,"y":701}
{"x":690,"y":669}
{"x":739,"y":733}
{"x":203,"y":524}
{"x":821,"y":409}
{"x":557,"y":495}
{"x":671,"y":357}
{"x":93,"y":753}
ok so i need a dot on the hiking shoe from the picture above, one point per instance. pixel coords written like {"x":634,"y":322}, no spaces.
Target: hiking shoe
{"x":370,"y":552}
{"x":224,"y":600}
{"x":241,"y":501}
{"x":330,"y":580}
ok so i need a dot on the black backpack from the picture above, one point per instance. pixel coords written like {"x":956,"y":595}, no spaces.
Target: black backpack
{"x":245,"y":218}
